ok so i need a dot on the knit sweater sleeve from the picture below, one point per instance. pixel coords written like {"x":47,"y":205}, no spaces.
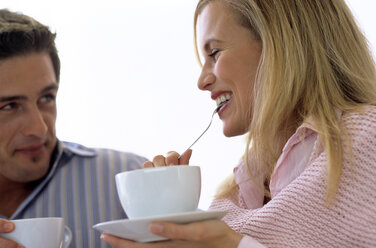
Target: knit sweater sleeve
{"x":299,"y":217}
{"x":248,"y":242}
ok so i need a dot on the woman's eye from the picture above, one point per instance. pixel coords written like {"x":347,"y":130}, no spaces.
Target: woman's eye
{"x":213,"y":53}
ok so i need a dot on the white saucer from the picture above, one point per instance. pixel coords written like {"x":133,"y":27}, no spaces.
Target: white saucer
{"x":138,"y":229}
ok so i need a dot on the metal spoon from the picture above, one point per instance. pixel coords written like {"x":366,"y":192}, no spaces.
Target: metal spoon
{"x":215,"y":111}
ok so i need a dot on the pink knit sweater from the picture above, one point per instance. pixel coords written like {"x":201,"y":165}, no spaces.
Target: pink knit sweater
{"x":298,"y":217}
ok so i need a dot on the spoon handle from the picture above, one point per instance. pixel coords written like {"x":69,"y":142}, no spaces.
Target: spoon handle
{"x":215,"y":111}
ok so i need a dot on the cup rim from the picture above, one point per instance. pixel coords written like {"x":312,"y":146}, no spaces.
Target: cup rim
{"x":161,"y":168}
{"x":37,"y":219}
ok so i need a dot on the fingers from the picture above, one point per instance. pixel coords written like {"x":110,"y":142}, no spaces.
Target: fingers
{"x":124,"y":243}
{"x":159,"y":161}
{"x":178,"y":232}
{"x":196,"y":231}
{"x":6,"y":226}
{"x":185,"y":157}
{"x":148,"y":164}
{"x":210,"y":233}
{"x":172,"y":158}
{"x":8,"y":243}
{"x":117,"y":242}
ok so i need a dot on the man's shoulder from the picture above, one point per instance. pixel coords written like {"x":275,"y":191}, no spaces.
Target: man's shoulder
{"x":102,"y":155}
{"x":72,"y":148}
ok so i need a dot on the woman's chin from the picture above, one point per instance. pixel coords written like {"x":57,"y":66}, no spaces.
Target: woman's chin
{"x":231,"y":131}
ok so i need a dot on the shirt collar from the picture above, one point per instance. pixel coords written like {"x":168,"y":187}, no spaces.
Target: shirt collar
{"x":75,"y":149}
{"x":309,"y":123}
{"x":62,"y":149}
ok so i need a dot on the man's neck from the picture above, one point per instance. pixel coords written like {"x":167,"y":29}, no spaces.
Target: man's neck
{"x":13,"y":195}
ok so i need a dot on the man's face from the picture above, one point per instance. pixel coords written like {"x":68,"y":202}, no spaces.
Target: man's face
{"x":28,"y":91}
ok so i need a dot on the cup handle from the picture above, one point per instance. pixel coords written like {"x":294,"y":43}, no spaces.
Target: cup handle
{"x":67,"y":237}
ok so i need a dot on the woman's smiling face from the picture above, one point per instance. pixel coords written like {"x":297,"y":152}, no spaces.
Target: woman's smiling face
{"x":231,"y":57}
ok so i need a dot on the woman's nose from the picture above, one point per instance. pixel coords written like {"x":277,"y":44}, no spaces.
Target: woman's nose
{"x":206,"y":79}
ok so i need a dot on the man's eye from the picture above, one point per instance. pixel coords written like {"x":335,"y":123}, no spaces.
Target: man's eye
{"x":9,"y":106}
{"x":47,"y":98}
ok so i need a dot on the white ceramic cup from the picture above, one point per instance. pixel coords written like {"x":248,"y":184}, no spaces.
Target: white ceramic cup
{"x":40,"y":232}
{"x":159,"y":191}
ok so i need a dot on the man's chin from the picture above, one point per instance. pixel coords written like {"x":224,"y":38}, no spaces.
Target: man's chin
{"x":34,"y":174}
{"x":34,"y":165}
{"x":36,"y":159}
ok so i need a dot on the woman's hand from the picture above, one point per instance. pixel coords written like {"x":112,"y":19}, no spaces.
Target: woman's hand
{"x":204,"y":234}
{"x":172,"y":158}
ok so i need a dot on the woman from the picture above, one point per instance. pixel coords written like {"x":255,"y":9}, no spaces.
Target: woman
{"x":299,"y":79}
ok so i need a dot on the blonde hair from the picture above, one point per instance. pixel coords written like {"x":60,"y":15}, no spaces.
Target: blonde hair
{"x":315,"y":60}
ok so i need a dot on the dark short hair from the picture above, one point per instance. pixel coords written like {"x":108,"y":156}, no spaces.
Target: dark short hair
{"x":21,"y":35}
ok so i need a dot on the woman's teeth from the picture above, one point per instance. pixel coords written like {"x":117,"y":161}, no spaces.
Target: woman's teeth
{"x":221,"y":100}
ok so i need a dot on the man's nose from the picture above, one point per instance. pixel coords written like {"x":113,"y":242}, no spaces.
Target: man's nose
{"x":35,"y":125}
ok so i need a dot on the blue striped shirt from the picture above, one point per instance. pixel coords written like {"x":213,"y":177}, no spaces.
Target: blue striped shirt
{"x":80,"y":187}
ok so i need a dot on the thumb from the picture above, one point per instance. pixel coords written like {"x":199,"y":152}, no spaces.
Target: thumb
{"x":6,"y":226}
{"x":184,"y":159}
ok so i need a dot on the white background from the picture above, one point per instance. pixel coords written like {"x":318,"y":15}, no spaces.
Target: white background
{"x":128,"y":79}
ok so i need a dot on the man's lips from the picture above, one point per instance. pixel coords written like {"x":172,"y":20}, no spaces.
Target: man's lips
{"x":31,"y":150}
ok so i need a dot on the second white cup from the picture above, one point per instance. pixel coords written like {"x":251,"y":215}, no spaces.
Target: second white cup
{"x":159,"y":191}
{"x":40,"y":232}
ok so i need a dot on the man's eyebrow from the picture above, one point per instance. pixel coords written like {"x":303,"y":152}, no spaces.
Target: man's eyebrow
{"x":53,"y":86}
{"x":11,"y":98}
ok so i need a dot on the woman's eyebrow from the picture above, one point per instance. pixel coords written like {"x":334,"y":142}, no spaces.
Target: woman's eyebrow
{"x":210,"y":41}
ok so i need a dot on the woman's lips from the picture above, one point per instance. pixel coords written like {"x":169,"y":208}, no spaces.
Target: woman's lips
{"x":224,"y":107}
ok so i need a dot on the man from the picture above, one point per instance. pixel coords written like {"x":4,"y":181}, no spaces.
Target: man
{"x":41,"y":176}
